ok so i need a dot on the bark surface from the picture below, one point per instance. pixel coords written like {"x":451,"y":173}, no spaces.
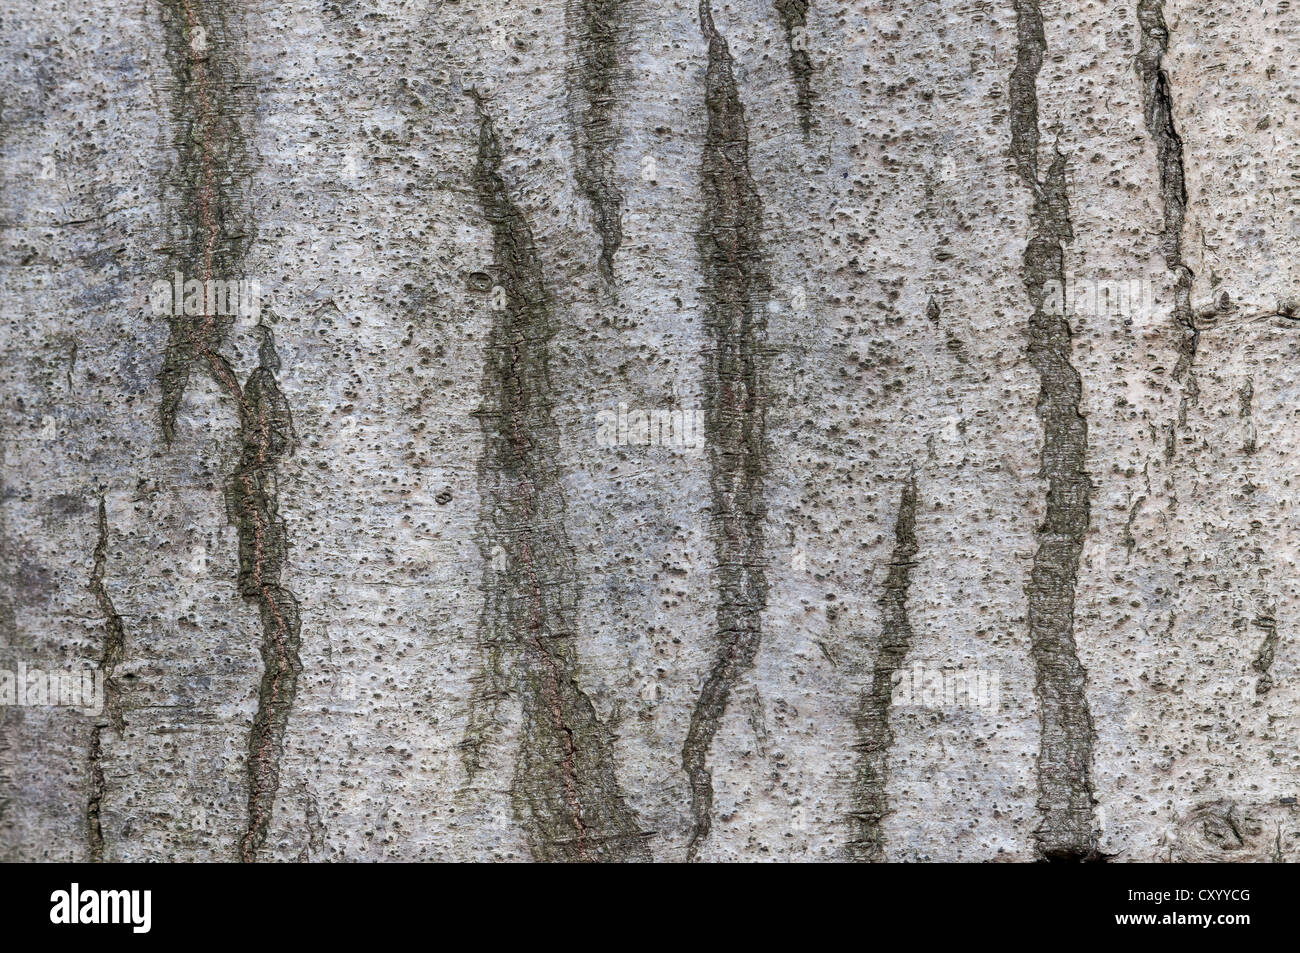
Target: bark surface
{"x":693,"y":431}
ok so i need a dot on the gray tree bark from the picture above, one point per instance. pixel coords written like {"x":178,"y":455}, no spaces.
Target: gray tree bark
{"x":766,"y":430}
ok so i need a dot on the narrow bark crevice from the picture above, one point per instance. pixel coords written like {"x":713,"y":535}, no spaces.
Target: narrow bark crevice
{"x":1067,"y":830}
{"x":595,"y":80}
{"x":1158,"y":110}
{"x":565,"y":792}
{"x":794,"y":19}
{"x":1263,"y":664}
{"x":214,"y":166}
{"x":735,"y":294}
{"x":1246,"y":397}
{"x":875,"y":737}
{"x":266,"y":436}
{"x":315,"y":827}
{"x":110,"y":656}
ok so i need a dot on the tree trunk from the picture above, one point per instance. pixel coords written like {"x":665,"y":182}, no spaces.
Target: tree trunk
{"x":607,"y":430}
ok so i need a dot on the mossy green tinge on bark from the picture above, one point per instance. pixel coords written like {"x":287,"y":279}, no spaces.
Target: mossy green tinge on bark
{"x":1067,"y":830}
{"x":565,"y":793}
{"x":870,"y":800}
{"x":735,"y":295}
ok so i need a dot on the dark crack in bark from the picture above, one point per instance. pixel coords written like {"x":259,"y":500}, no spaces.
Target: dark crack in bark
{"x":794,"y":19}
{"x":1067,"y":830}
{"x":1263,"y":664}
{"x":213,"y":166}
{"x":595,"y":80}
{"x":266,"y":436}
{"x":110,"y":655}
{"x":871,"y":803}
{"x":735,"y":294}
{"x":209,"y":237}
{"x":9,"y":635}
{"x":1246,"y":399}
{"x":565,"y":792}
{"x":1158,"y":108}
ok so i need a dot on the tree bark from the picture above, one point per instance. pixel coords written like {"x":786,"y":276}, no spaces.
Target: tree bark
{"x":681,"y":431}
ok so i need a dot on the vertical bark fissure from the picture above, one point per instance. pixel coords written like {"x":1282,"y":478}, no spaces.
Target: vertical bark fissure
{"x":110,"y":655}
{"x":1066,"y":831}
{"x":1158,"y":109}
{"x":736,"y":289}
{"x":595,"y":80}
{"x":794,"y":19}
{"x":1246,"y":396}
{"x":1263,"y":664}
{"x":9,"y":635}
{"x":871,"y":803}
{"x":565,"y":791}
{"x":266,"y":436}
{"x":213,"y":164}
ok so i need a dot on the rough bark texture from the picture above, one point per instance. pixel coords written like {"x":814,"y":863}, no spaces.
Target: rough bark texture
{"x":868,"y":843}
{"x":650,"y":414}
